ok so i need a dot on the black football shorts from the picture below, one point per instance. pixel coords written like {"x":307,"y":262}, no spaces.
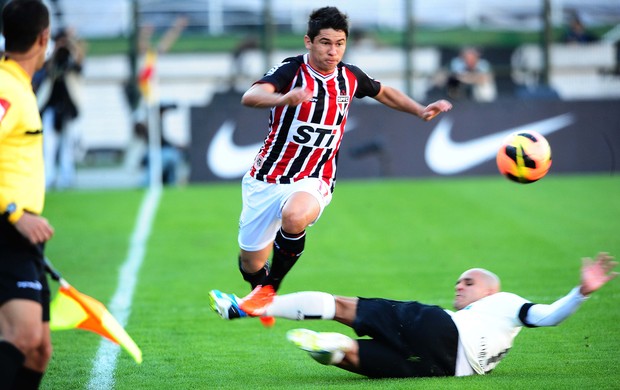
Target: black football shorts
{"x":408,"y":339}
{"x":22,"y":271}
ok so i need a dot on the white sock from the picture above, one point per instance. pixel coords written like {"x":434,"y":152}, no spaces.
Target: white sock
{"x":306,"y":305}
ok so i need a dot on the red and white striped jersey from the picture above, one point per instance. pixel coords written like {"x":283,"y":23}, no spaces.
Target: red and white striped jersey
{"x":303,"y":141}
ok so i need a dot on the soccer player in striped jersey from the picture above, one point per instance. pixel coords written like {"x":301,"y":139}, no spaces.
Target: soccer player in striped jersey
{"x":294,"y":172}
{"x":25,"y":342}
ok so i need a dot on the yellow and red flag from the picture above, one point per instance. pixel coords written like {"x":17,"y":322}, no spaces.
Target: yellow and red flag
{"x":72,"y":309}
{"x":145,"y":76}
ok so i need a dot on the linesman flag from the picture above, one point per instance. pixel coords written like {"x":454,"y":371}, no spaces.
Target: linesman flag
{"x":72,"y":309}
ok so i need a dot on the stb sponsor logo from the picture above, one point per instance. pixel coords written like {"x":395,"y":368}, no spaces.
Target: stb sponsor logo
{"x":315,"y":137}
{"x":343,"y":102}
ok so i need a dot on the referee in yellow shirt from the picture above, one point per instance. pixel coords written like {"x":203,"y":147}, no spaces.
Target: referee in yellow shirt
{"x":25,"y":343}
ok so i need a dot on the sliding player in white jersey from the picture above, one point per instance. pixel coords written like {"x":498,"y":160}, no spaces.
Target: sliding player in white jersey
{"x":412,"y":339}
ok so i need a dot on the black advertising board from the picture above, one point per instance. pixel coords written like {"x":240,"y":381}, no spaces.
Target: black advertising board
{"x":380,"y":142}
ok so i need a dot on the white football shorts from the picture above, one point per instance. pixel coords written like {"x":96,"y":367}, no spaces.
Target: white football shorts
{"x":261,"y":216}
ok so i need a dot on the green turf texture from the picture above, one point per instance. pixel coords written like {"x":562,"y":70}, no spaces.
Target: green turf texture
{"x":400,"y":239}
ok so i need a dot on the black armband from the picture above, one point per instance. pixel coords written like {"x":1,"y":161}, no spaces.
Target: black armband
{"x":523,"y":314}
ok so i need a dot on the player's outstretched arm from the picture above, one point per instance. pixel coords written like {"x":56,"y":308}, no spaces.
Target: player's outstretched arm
{"x":596,"y":273}
{"x":397,"y":100}
{"x":264,"y":96}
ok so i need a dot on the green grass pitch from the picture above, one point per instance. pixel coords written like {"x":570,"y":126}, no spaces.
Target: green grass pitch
{"x":400,"y":239}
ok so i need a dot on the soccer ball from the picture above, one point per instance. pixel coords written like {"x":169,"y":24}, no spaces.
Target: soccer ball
{"x":524,"y":157}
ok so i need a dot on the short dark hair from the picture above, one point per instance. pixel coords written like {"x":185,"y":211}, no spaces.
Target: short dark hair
{"x":22,"y":22}
{"x":327,"y":17}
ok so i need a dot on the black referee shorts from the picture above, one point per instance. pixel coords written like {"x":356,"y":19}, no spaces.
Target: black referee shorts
{"x":22,"y":271}
{"x":408,"y":339}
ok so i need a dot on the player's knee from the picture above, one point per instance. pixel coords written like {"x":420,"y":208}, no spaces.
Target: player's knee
{"x":346,"y":310}
{"x":27,"y":339}
{"x":40,"y":357}
{"x":295,"y":220}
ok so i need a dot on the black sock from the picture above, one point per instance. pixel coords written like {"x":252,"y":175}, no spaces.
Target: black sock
{"x":287,"y":248}
{"x":27,"y":379}
{"x":255,"y":278}
{"x":11,"y":360}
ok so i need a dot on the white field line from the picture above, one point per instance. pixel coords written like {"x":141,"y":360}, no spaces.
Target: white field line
{"x":104,"y":364}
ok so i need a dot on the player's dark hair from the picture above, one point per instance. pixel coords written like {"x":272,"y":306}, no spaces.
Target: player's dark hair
{"x":327,"y":17}
{"x":22,"y":22}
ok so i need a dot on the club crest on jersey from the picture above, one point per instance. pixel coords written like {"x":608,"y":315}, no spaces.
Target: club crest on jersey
{"x":343,"y":102}
{"x":258,"y":161}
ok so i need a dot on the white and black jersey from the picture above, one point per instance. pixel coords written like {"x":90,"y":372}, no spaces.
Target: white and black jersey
{"x":303,"y":141}
{"x":487,"y":327}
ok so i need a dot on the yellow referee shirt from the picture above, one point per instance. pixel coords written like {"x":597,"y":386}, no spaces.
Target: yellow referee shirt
{"x":22,"y":177}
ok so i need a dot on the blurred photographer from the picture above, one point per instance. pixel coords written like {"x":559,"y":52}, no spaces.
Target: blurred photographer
{"x":59,"y":93}
{"x":471,"y":77}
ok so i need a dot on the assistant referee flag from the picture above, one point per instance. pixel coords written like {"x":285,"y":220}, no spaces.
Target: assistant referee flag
{"x":72,"y":309}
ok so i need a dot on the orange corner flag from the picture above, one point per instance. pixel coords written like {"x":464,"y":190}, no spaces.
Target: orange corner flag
{"x":71,"y":309}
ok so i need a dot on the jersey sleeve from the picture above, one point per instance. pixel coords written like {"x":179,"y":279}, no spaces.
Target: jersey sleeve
{"x":8,"y":121}
{"x":281,"y":75}
{"x":535,"y":315}
{"x":367,"y":86}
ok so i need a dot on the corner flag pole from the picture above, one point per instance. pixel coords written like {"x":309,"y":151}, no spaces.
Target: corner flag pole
{"x":154,"y":130}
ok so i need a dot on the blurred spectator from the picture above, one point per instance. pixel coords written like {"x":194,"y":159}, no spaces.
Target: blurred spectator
{"x":137,"y":151}
{"x":238,"y":69}
{"x":172,"y":156}
{"x":57,"y":88}
{"x":471,"y":76}
{"x":577,"y":33}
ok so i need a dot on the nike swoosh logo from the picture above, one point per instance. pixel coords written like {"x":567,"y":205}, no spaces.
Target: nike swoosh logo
{"x":447,"y":157}
{"x":227,"y":159}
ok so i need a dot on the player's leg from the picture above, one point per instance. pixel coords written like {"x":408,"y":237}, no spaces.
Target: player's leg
{"x":376,"y":359}
{"x":66,"y":156}
{"x":21,"y":329}
{"x":411,"y":329}
{"x":253,"y":265}
{"x":25,"y":344}
{"x":258,"y":224}
{"x":305,"y":305}
{"x":31,"y":374}
{"x":303,"y":204}
{"x":328,"y":348}
{"x":50,"y":147}
{"x":368,"y":357}
{"x":299,"y":211}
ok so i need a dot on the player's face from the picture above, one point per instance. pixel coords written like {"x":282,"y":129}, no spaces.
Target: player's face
{"x":327,"y":49}
{"x":471,"y":286}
